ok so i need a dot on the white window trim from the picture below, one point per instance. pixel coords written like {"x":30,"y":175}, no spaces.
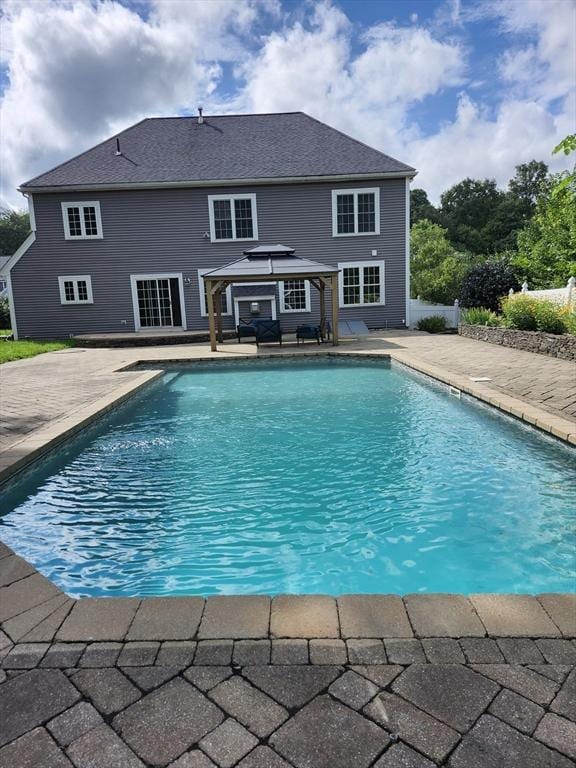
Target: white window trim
{"x":74,"y":279}
{"x":366,"y":190}
{"x":237,"y":299}
{"x":283,"y":309}
{"x":82,"y":204}
{"x":232,"y":198}
{"x":203,"y":308}
{"x":136,"y":309}
{"x":360,"y":264}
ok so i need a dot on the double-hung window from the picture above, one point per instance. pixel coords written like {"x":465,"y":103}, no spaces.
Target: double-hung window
{"x":82,"y":221}
{"x":294,"y":296}
{"x":75,"y":289}
{"x":361,"y":283}
{"x":232,"y":217}
{"x":355,"y":212}
{"x":226,"y":296}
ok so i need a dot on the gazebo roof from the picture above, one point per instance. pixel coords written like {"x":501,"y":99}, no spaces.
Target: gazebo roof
{"x":277,"y":261}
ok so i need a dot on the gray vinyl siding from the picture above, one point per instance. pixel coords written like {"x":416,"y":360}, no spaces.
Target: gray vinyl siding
{"x":156,"y":231}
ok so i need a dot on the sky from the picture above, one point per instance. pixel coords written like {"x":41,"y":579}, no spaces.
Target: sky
{"x":455,"y":88}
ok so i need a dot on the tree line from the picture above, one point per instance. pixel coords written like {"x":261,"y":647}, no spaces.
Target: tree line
{"x":485,"y":240}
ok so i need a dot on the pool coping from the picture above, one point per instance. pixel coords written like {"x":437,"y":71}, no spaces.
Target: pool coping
{"x":33,"y":610}
{"x":26,"y":451}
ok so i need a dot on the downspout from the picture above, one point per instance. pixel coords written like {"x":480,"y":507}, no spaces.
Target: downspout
{"x":11,"y":307}
{"x":407,"y":251}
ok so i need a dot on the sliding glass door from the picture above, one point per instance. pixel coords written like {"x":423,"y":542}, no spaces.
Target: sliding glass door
{"x":157,"y":301}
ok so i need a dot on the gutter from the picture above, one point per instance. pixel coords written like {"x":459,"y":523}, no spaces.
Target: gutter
{"x":216,"y":182}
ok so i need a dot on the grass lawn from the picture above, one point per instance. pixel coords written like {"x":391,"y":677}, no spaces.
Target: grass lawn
{"x":17,"y":350}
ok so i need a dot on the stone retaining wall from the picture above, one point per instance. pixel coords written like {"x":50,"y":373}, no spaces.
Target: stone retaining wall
{"x":563,"y":346}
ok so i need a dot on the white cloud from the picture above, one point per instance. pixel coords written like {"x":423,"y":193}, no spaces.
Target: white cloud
{"x":545,"y":68}
{"x":370,"y":95}
{"x":82,"y":69}
{"x":480,"y":146}
{"x":312,"y":68}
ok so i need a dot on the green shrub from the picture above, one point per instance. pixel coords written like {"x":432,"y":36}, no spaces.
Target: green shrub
{"x":549,"y":317}
{"x":480,"y":316}
{"x":520,"y":312}
{"x":485,"y":284}
{"x":569,"y":319}
{"x":432,"y":324}
{"x":529,"y":314}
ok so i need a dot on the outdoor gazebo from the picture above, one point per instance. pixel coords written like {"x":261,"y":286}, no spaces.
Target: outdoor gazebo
{"x":265,"y":264}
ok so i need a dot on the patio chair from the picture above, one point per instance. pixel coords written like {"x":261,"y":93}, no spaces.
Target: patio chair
{"x":325,"y":330}
{"x":268,"y":332}
{"x":308,"y":332}
{"x":318,"y":333}
{"x":247,"y":327}
{"x":244,"y":329}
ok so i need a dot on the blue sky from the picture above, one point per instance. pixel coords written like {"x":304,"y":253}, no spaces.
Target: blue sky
{"x":454,"y":87}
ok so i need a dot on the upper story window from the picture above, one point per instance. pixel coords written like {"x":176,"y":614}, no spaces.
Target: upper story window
{"x":361,"y":283}
{"x":233,"y":217}
{"x":355,"y":212}
{"x":294,"y":296}
{"x":75,"y":289}
{"x":82,"y":220}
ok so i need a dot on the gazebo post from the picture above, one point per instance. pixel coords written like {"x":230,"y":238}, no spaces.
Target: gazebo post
{"x":218,"y":299}
{"x":335,"y":299}
{"x":210,"y":309}
{"x":322,"y":305}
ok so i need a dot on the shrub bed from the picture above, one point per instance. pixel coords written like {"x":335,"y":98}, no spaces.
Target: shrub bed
{"x":432,"y":324}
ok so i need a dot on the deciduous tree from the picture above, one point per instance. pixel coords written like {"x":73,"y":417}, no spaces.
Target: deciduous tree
{"x":436,"y":267}
{"x":14,"y":229}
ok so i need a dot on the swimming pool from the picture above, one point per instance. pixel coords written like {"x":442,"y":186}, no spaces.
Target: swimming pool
{"x":301,"y":476}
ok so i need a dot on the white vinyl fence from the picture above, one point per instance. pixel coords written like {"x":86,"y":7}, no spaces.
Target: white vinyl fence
{"x":420,"y":309}
{"x":564,"y":296}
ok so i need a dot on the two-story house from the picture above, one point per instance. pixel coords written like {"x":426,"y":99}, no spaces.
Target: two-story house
{"x":123,"y":233}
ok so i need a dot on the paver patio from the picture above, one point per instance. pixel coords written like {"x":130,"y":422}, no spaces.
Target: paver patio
{"x":358,"y":681}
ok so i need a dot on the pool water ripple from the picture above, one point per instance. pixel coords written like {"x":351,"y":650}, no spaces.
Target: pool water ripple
{"x":324,"y":477}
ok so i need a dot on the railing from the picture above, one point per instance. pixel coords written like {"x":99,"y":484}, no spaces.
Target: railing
{"x":420,"y":309}
{"x":564,"y":296}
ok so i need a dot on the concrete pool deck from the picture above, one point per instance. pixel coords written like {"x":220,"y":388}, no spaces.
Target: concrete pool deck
{"x":358,"y":681}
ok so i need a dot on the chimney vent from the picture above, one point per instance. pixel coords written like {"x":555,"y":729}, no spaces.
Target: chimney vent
{"x":118,"y":150}
{"x":200,"y":117}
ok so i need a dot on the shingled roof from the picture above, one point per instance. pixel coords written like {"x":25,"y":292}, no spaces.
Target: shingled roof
{"x":179,"y":150}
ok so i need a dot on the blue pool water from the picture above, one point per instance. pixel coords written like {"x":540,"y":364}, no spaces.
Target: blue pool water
{"x":326,"y":476}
